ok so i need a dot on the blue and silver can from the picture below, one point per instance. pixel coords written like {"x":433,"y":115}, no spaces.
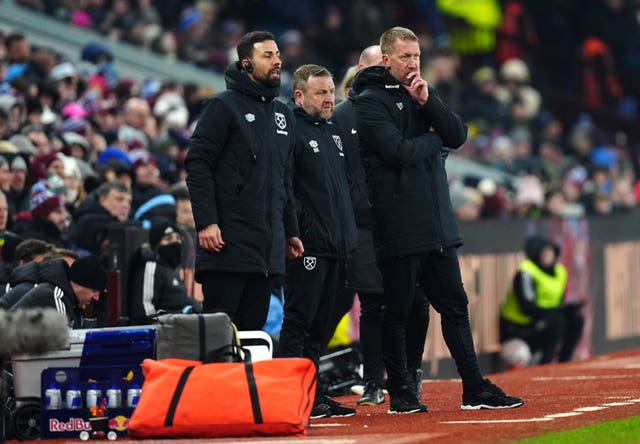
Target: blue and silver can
{"x":74,"y":398}
{"x":53,"y":398}
{"x":114,"y":397}
{"x":133,"y":396}
{"x":94,"y":397}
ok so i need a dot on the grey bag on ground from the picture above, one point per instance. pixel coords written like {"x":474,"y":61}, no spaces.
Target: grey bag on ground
{"x":206,"y":337}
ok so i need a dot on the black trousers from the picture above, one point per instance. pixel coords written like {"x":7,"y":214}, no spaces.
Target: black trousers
{"x":310,"y":289}
{"x":558,"y":329}
{"x":243,"y":296}
{"x":438,"y":274}
{"x":371,"y":332}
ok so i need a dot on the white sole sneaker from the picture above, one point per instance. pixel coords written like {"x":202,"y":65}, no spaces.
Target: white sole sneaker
{"x":359,"y":390}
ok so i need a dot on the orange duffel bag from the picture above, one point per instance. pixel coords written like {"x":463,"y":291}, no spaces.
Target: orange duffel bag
{"x":182,"y":398}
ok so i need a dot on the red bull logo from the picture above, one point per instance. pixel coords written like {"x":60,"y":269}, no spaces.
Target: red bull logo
{"x":72,"y":425}
{"x":119,"y":423}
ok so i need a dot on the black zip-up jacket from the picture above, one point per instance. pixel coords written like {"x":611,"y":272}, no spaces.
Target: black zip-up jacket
{"x":325,"y":212}
{"x":400,"y":144}
{"x":157,"y":287}
{"x":239,"y":176}
{"x":53,"y":291}
{"x":23,"y":278}
{"x":344,"y":116}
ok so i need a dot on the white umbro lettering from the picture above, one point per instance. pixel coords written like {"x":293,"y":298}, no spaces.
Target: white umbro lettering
{"x":392,"y":86}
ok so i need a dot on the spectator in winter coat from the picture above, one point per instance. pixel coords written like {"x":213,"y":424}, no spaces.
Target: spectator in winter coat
{"x":110,"y":203}
{"x":157,"y":285}
{"x":47,"y":220}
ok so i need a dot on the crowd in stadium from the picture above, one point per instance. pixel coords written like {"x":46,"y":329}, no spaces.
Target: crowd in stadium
{"x":66,"y":128}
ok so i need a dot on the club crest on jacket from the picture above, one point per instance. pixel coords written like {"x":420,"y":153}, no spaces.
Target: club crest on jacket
{"x":309,"y":262}
{"x":281,"y":122}
{"x":338,"y":142}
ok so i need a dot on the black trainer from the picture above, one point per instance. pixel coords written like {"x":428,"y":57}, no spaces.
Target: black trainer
{"x":326,"y":406}
{"x":405,"y":401}
{"x":320,"y":410}
{"x":373,"y":394}
{"x":489,"y":397}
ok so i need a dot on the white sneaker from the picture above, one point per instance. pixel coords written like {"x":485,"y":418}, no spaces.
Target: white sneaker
{"x":359,"y":390}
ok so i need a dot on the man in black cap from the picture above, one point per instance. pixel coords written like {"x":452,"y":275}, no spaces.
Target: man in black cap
{"x":70,"y":290}
{"x":157,"y":285}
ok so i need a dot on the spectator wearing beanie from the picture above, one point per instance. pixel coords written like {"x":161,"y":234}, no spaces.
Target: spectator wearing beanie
{"x":47,"y":219}
{"x":70,"y":290}
{"x":156,"y":285}
{"x":146,"y":177}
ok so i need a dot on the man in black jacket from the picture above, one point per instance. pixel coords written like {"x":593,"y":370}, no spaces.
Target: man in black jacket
{"x":239,"y":178}
{"x":70,"y":290}
{"x":326,"y":222}
{"x":362,"y":274}
{"x":157,"y":285}
{"x":402,"y":126}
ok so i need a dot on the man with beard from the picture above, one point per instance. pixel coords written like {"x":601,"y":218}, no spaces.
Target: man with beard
{"x":326,"y":224}
{"x":239,"y":178}
{"x":157,"y":285}
{"x":403,"y":126}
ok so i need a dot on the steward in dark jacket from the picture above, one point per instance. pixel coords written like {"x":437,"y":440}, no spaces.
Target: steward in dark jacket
{"x":239,"y":179}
